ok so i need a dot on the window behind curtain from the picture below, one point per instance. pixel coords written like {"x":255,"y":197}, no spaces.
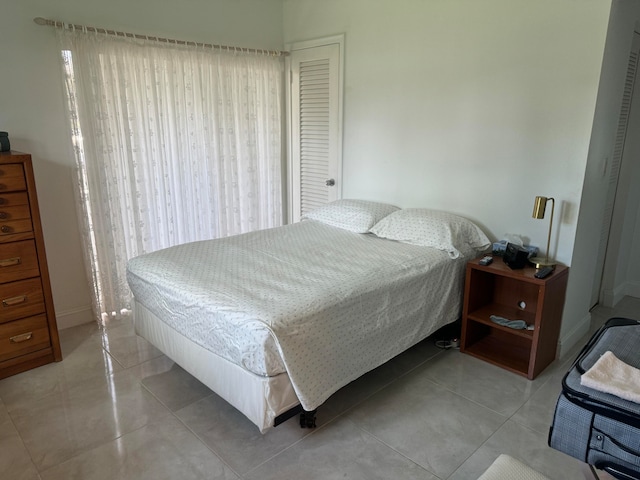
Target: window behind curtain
{"x":173,"y":144}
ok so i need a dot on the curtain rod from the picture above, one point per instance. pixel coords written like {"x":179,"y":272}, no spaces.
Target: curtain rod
{"x":72,"y":26}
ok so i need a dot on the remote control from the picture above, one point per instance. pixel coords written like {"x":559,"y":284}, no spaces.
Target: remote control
{"x":543,"y":272}
{"x":486,"y":260}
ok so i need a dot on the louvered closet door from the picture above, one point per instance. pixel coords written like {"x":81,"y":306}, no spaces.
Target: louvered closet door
{"x":616,"y":162}
{"x":316,"y":137}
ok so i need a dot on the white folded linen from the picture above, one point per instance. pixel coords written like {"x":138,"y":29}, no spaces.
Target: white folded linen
{"x":611,"y":375}
{"x":508,"y":468}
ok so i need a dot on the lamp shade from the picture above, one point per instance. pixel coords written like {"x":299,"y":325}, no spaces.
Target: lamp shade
{"x":539,"y":207}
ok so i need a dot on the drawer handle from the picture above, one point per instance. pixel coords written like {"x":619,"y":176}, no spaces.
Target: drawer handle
{"x":3,"y":201}
{"x":10,"y":262}
{"x":5,"y":229}
{"x":4,"y":215}
{"x":23,"y":337}
{"x":9,"y":302}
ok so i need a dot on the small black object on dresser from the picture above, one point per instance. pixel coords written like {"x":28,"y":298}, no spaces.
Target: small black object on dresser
{"x":4,"y":142}
{"x":544,"y":272}
{"x":515,"y":256}
{"x":486,"y":260}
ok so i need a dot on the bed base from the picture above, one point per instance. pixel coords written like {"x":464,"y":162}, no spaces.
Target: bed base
{"x":283,"y":417}
{"x":307,"y":418}
{"x":261,"y":399}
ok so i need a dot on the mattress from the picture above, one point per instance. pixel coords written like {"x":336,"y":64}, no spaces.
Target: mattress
{"x":320,"y":303}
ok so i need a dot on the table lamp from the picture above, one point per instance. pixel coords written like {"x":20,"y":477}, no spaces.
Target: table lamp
{"x":539,"y":207}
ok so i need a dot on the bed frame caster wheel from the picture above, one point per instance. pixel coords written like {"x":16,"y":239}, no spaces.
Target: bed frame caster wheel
{"x":308,"y":419}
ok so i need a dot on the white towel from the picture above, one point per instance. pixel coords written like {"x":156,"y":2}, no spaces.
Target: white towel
{"x":611,"y":375}
{"x":508,"y":468}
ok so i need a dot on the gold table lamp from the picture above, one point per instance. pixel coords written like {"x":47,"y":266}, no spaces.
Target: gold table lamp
{"x":539,"y":207}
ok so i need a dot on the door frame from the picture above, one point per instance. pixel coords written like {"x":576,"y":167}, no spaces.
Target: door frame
{"x":301,"y":45}
{"x":604,"y":290}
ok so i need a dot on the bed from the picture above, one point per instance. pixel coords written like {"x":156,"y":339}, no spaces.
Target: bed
{"x":279,"y":318}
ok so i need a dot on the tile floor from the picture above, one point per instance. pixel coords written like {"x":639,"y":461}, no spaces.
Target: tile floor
{"x":116,"y":408}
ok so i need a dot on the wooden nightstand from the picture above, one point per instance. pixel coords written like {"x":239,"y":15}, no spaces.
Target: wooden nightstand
{"x":498,"y":290}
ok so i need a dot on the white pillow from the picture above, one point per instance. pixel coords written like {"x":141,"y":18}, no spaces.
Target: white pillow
{"x":432,"y":228}
{"x":354,"y":215}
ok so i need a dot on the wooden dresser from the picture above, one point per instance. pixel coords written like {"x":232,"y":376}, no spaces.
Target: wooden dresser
{"x":28,"y":330}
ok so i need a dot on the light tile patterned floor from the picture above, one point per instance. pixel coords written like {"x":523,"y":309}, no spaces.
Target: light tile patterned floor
{"x":117,"y":408}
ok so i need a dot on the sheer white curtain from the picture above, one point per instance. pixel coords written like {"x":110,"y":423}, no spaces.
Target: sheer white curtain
{"x":173,"y":144}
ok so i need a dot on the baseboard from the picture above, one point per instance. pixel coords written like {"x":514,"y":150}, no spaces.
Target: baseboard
{"x":610,"y":298}
{"x":633,"y":289}
{"x":568,"y":341}
{"x":74,"y":317}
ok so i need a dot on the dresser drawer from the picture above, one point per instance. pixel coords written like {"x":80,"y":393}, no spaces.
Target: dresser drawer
{"x":18,"y":260}
{"x":11,"y":214}
{"x":12,"y":178}
{"x":15,"y":213}
{"x":14,"y":200}
{"x":16,"y":226}
{"x":23,"y":336}
{"x":21,"y":299}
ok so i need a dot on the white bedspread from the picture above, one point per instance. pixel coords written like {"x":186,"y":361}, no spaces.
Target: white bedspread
{"x":323,"y":303}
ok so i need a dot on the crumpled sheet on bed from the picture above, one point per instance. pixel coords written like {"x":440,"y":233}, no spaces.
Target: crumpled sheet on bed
{"x":324,"y":304}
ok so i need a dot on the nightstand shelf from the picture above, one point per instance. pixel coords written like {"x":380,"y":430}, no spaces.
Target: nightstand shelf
{"x":483,"y":315}
{"x":499,"y":350}
{"x":496,"y":289}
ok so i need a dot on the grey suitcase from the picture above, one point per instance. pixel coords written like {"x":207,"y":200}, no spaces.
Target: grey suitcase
{"x":598,"y":428}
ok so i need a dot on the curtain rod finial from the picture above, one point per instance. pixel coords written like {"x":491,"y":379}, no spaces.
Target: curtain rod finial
{"x":40,"y":21}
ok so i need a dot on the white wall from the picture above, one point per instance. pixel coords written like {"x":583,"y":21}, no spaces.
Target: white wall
{"x":622,"y":273}
{"x":633,"y":280}
{"x":31,"y":99}
{"x":474,"y":107}
{"x":627,"y":200}
{"x":624,"y":18}
{"x":470,"y":106}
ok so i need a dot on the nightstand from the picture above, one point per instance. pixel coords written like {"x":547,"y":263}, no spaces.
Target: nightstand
{"x":498,"y":290}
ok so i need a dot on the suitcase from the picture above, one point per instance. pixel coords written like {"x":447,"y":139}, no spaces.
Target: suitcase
{"x":599,"y":428}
